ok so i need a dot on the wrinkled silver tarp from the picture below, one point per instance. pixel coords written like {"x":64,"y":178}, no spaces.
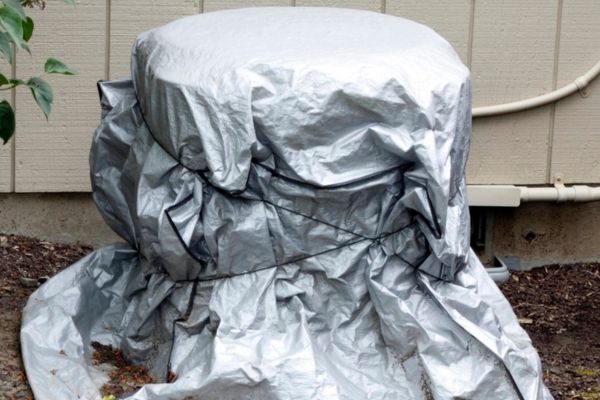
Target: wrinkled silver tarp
{"x":290,"y":184}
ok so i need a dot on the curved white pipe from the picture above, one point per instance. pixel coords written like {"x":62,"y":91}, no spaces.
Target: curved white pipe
{"x":577,"y":194}
{"x":579,"y":84}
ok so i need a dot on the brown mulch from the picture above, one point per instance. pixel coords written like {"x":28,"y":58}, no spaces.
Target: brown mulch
{"x":24,"y":261}
{"x":124,"y":378}
{"x":557,"y":305}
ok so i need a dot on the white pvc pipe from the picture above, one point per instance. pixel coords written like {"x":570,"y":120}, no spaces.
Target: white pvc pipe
{"x":579,"y":84}
{"x":560,"y":194}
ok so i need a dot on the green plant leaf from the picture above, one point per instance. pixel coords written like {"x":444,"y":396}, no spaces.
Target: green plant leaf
{"x":5,"y":46}
{"x":53,"y":66}
{"x":7,"y":121}
{"x":11,"y":21}
{"x":16,"y":4}
{"x":42,"y":93}
{"x":24,"y":46}
{"x":71,"y":2}
{"x":27,"y":29}
{"x":3,"y":80}
{"x":16,"y":82}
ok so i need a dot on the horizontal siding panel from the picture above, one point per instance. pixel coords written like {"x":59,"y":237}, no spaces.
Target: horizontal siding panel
{"x":513,"y":50}
{"x":5,"y":167}
{"x":513,"y":59}
{"x":216,"y":5}
{"x":449,"y":18}
{"x":129,"y":18}
{"x":5,"y":150}
{"x":369,"y":5}
{"x":53,"y":156}
{"x":509,"y":149}
{"x":576,"y":148}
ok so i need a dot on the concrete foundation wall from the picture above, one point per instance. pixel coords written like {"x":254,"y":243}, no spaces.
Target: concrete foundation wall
{"x":57,"y":217}
{"x":548,"y":233}
{"x":538,"y":233}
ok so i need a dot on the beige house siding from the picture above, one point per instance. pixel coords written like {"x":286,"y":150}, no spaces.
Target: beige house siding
{"x":369,"y":5}
{"x":216,"y":5}
{"x":52,"y":156}
{"x":513,"y":59}
{"x":515,"y":50}
{"x":449,"y":18}
{"x":5,"y":151}
{"x":576,"y":150}
{"x":128,"y":18}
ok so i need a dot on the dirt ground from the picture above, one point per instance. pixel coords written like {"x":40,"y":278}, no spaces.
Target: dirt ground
{"x":25,"y":263}
{"x":558,"y":306}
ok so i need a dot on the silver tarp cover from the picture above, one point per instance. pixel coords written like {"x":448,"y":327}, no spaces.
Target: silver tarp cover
{"x":290,"y":184}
